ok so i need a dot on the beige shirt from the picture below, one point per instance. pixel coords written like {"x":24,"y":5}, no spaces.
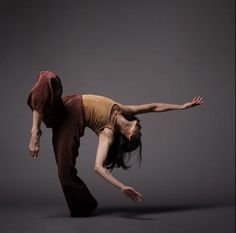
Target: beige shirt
{"x":98,"y":112}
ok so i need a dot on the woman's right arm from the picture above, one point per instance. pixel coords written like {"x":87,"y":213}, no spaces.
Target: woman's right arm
{"x":36,"y":133}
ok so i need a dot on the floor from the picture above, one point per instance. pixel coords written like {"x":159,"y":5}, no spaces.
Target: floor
{"x":35,"y":218}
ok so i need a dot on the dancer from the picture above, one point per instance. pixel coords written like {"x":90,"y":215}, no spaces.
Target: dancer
{"x":115,"y":124}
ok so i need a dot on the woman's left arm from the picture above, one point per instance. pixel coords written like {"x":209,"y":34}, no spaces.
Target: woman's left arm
{"x":159,"y":107}
{"x":105,"y":140}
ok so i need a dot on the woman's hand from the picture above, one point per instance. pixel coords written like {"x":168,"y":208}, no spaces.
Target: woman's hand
{"x":196,"y":101}
{"x":34,"y":144}
{"x":131,"y":193}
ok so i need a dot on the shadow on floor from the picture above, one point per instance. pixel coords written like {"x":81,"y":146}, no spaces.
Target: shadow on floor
{"x":141,"y":212}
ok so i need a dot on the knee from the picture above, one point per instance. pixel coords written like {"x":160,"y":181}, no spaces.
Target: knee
{"x":48,"y":74}
{"x":64,"y":176}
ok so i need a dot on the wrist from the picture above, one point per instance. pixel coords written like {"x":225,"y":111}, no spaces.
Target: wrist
{"x":122,"y":187}
{"x":37,"y":131}
{"x":176,"y":106}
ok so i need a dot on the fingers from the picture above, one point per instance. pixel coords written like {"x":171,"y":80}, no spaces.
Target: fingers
{"x":194,"y":99}
{"x":198,"y":100}
{"x":34,"y":146}
{"x":34,"y":152}
{"x":136,"y":196}
{"x":35,"y":156}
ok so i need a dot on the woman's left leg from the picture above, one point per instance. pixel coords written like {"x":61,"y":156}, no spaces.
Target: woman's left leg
{"x":79,"y":199}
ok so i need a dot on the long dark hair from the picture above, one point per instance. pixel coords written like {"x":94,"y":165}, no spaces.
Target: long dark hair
{"x":121,"y":150}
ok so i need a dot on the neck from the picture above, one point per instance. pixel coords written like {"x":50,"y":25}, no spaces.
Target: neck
{"x":123,"y":125}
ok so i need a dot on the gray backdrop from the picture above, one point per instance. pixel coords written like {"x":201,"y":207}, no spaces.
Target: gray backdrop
{"x":134,"y":52}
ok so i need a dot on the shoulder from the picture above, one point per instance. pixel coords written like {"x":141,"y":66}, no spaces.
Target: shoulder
{"x":122,"y":109}
{"x":106,"y":134}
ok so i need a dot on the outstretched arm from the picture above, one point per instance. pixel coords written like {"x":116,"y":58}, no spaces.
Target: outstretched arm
{"x":35,"y":134}
{"x":159,"y":107}
{"x":105,"y":140}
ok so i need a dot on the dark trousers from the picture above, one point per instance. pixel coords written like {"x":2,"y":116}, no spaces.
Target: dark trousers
{"x":67,"y":123}
{"x":66,"y":141}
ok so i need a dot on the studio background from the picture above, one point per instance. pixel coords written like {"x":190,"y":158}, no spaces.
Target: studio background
{"x":134,"y":52}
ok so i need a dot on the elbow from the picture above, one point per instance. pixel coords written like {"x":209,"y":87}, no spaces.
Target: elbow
{"x":160,"y":107}
{"x":98,"y":168}
{"x":155,"y":107}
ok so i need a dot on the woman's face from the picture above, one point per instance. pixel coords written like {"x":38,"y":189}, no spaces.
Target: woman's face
{"x":135,"y":130}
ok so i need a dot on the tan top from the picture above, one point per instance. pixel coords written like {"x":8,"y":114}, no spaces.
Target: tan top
{"x":98,"y":112}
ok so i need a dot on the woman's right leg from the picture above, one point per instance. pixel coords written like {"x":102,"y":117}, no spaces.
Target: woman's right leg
{"x":66,"y":144}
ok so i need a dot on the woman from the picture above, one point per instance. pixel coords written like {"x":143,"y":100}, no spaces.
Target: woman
{"x":115,"y":124}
